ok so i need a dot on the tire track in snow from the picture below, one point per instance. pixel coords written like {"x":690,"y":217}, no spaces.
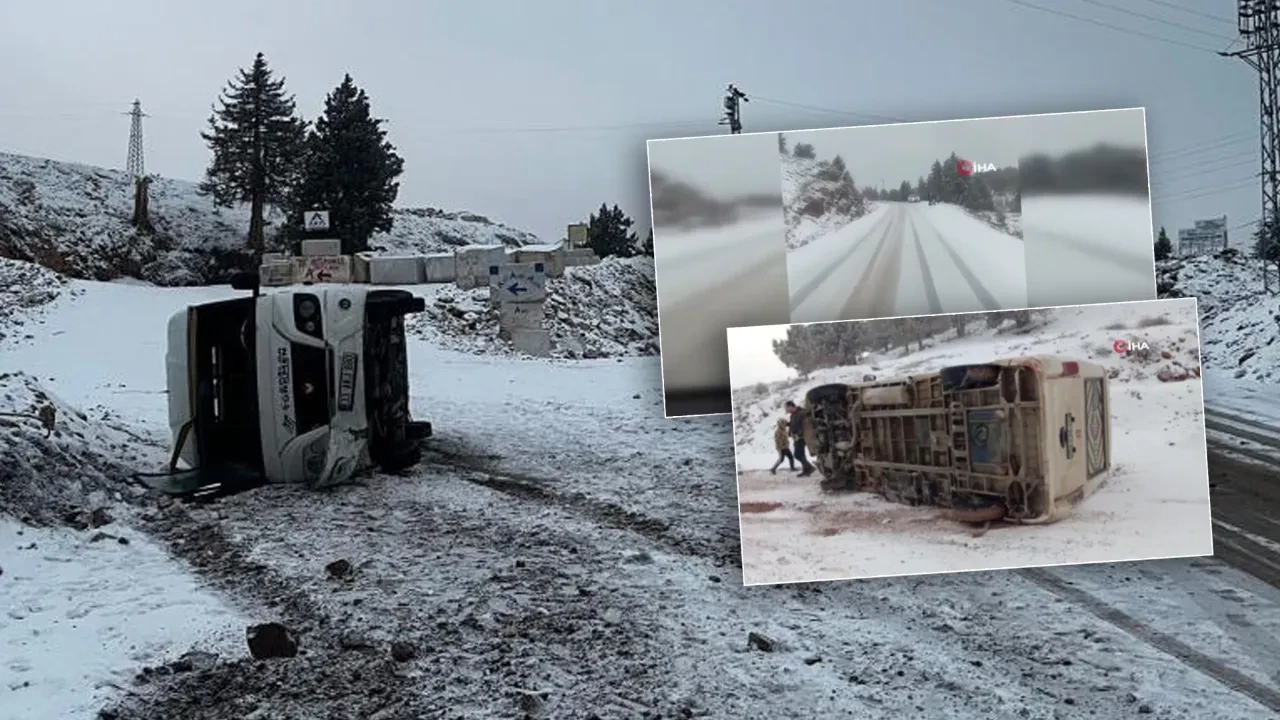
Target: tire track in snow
{"x":1233,"y":679}
{"x":979,"y":290}
{"x":798,"y":297}
{"x":877,"y":287}
{"x":1254,"y":455}
{"x":930,"y":290}
{"x":1267,"y":437}
{"x":541,"y":490}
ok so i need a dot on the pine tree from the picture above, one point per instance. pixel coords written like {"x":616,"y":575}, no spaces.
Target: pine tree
{"x":257,"y":143}
{"x":609,"y":233}
{"x":804,"y":150}
{"x":782,"y":144}
{"x":954,"y":185}
{"x":647,"y":247}
{"x":350,"y":169}
{"x":1266,"y":241}
{"x":1164,"y":248}
{"x":935,"y":180}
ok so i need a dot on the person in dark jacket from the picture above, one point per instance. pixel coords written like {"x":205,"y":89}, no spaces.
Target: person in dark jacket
{"x":796,"y":427}
{"x":783,"y":446}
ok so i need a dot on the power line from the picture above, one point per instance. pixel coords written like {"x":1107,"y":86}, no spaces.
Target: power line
{"x":826,"y":110}
{"x":1198,"y":164}
{"x":1189,"y":11}
{"x":1197,"y":148}
{"x":576,"y":128}
{"x":1117,"y":28}
{"x":1207,"y":192}
{"x":1162,"y":21}
{"x":1205,"y":170}
{"x":1193,"y":165}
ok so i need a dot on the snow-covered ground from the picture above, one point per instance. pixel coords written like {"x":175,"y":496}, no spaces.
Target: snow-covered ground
{"x":1154,"y":504}
{"x":906,"y":259}
{"x":712,"y":279}
{"x":1089,"y":248}
{"x":807,"y":229}
{"x":1244,"y":398}
{"x":593,"y":311}
{"x":82,"y":614}
{"x":566,"y":551}
{"x":1238,"y":316}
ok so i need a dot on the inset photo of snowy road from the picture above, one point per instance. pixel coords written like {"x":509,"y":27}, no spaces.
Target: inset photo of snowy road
{"x":1086,"y":206}
{"x":975,"y":441}
{"x":719,"y":258}
{"x":903,"y":219}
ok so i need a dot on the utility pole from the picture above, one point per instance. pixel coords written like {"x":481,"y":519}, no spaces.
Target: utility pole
{"x":136,"y":168}
{"x":733,"y":99}
{"x":1259,"y":26}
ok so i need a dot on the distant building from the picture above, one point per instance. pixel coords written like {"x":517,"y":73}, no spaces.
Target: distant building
{"x":1205,"y":238}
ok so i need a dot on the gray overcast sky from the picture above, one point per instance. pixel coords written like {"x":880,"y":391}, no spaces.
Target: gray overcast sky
{"x":751,"y":356}
{"x":724,"y":166}
{"x":484,"y":95}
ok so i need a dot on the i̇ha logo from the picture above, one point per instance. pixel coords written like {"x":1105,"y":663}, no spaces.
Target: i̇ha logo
{"x":1124,"y":346}
{"x":965,"y":168}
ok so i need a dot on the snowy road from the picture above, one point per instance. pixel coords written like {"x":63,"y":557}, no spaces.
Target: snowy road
{"x":906,"y":259}
{"x":1244,"y":450}
{"x":710,"y":280}
{"x":565,"y":551}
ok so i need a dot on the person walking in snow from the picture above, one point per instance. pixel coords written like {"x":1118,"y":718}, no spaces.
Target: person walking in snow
{"x":780,"y":441}
{"x":796,"y":427}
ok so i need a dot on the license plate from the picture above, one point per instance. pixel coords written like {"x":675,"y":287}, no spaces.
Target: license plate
{"x":347,"y":382}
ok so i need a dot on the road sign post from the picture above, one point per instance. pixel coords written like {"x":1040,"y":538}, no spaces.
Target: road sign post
{"x":519,"y":282}
{"x":315,"y":221}
{"x":576,"y":236}
{"x":519,"y":290}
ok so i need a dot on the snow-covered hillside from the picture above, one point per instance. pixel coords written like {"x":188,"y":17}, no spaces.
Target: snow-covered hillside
{"x":75,"y":219}
{"x":604,"y":310}
{"x":428,"y":230}
{"x":25,"y":289}
{"x":815,"y":201}
{"x":1239,"y":320}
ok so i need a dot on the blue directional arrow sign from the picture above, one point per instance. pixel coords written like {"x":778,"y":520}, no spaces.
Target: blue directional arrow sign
{"x":518,"y":283}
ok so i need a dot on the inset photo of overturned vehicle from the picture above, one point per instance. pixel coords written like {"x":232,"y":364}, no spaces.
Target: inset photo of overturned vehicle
{"x":970,"y":442}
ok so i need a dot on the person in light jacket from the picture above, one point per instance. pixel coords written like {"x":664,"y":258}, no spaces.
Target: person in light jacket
{"x":781,"y":441}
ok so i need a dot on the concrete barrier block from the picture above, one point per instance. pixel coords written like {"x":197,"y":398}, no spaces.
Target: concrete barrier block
{"x":317,"y":248}
{"x":360,"y":266}
{"x":275,"y":274}
{"x":395,"y":270}
{"x":440,"y":268}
